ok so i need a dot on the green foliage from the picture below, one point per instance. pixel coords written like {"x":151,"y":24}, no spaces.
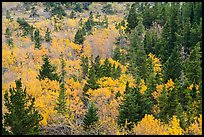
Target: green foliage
{"x":27,"y":29}
{"x":89,"y":23}
{"x":9,"y":40}
{"x":133,"y":107}
{"x":59,"y":11}
{"x":72,"y":15}
{"x":85,"y":66}
{"x":22,"y":118}
{"x":78,"y":7}
{"x":37,"y":39}
{"x":47,"y":70}
{"x":47,"y":35}
{"x":90,"y":117}
{"x":61,"y":102}
{"x":79,"y":37}
{"x":132,"y":18}
{"x":193,"y":67}
{"x":108,"y":9}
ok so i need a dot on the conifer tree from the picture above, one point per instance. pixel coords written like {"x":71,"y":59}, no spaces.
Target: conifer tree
{"x":47,"y":35}
{"x":193,"y":65}
{"x":90,"y":117}
{"x":163,"y":105}
{"x":9,"y":40}
{"x":37,"y":39}
{"x":72,"y":15}
{"x":132,"y":18}
{"x":89,"y":23}
{"x":79,"y":37}
{"x":22,"y":117}
{"x":85,"y":66}
{"x":132,"y":108}
{"x":47,"y":70}
{"x":61,"y":104}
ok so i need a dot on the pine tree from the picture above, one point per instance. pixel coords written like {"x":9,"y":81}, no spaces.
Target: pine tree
{"x":163,"y":105}
{"x":91,"y":84}
{"x":9,"y":40}
{"x":22,"y":117}
{"x":89,"y":23}
{"x":136,"y":55}
{"x":132,"y":18}
{"x":47,"y":70}
{"x":61,"y":104}
{"x":85,"y":66}
{"x":80,"y":23}
{"x":132,"y":108}
{"x":47,"y":35}
{"x":90,"y":117}
{"x":37,"y":39}
{"x":173,"y":66}
{"x":193,"y":68}
{"x":79,"y":37}
{"x":72,"y":15}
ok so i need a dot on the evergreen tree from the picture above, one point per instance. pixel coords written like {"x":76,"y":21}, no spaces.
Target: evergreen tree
{"x":79,"y":37}
{"x":61,"y":104}
{"x":24,"y":26}
{"x":9,"y":40}
{"x":193,"y":69}
{"x":78,"y":7}
{"x":72,"y":15}
{"x":59,"y":11}
{"x":80,"y":23}
{"x":85,"y":66}
{"x":132,"y":18}
{"x":136,"y":55}
{"x":163,"y":105}
{"x":47,"y":35}
{"x":22,"y":117}
{"x":173,"y":66}
{"x":37,"y":39}
{"x":89,"y":23}
{"x":90,"y":117}
{"x":47,"y":70}
{"x":132,"y":108}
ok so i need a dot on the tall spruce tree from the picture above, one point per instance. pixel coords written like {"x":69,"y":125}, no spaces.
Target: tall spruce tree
{"x":47,"y":35}
{"x":79,"y":37}
{"x":61,"y":103}
{"x":22,"y":118}
{"x":193,"y":69}
{"x":90,"y":117}
{"x":37,"y":39}
{"x":85,"y":66}
{"x":132,"y":18}
{"x":133,"y":107}
{"x":9,"y":40}
{"x":47,"y":70}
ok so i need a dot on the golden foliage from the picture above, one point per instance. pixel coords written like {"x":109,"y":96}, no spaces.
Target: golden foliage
{"x":174,"y":127}
{"x":170,"y":85}
{"x":150,"y":126}
{"x":142,"y":86}
{"x":196,"y":127}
